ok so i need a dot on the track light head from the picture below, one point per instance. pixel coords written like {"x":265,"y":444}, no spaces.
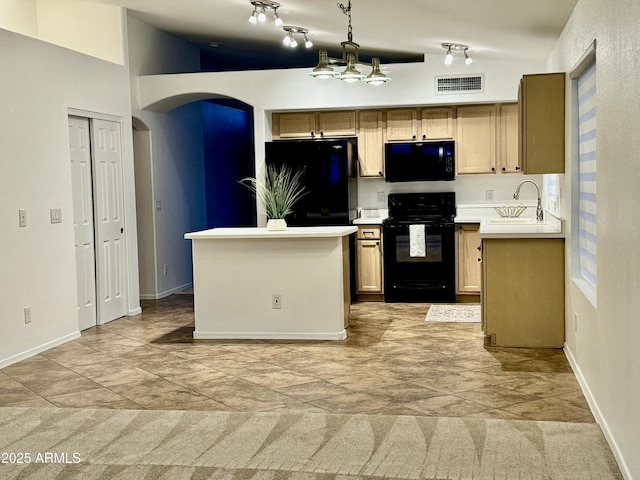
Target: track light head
{"x":456,"y":47}
{"x":260,"y":8}
{"x":467,"y":59}
{"x":290,"y":39}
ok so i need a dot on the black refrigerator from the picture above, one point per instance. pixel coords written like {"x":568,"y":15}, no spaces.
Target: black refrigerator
{"x":329,"y":177}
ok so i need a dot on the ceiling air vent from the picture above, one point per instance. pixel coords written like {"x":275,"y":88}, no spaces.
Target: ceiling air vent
{"x":452,"y":84}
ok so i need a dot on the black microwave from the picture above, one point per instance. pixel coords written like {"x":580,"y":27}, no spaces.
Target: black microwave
{"x":419,"y":161}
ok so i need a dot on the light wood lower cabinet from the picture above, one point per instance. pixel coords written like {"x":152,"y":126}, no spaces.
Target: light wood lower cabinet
{"x":523,"y":292}
{"x":468,"y":260}
{"x":369,"y":260}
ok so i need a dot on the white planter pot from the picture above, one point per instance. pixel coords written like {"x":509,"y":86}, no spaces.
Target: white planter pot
{"x":276,"y":224}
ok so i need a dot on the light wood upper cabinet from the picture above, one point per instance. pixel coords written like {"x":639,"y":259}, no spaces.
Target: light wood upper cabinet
{"x":469,"y":267}
{"x":314,"y":124}
{"x":436,"y":123}
{"x":509,"y":160}
{"x":337,"y":124}
{"x":402,"y":124}
{"x":371,"y":143}
{"x":542,"y":101}
{"x":369,"y":260}
{"x":476,"y":135}
{"x":295,"y":125}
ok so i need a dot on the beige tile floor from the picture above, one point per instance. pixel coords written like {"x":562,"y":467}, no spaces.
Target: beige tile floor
{"x":393,"y":362}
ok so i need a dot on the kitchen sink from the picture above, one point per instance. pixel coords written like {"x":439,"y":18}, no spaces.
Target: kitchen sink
{"x":514,"y":221}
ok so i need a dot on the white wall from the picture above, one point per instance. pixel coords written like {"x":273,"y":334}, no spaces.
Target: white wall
{"x":176,"y":165}
{"x":605,"y":345}
{"x":39,"y":83}
{"x":413,"y":84}
{"x":19,"y":16}
{"x":91,"y":28}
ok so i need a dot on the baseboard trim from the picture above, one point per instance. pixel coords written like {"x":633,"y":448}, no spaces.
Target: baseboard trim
{"x":597,"y":413}
{"x":158,"y":296}
{"x":5,"y":362}
{"x":269,"y":335}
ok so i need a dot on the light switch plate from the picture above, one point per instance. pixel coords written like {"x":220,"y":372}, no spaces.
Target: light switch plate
{"x":22,"y":217}
{"x":56,"y":215}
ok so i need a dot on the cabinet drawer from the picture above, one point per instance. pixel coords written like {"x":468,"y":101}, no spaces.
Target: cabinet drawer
{"x":368,"y":232}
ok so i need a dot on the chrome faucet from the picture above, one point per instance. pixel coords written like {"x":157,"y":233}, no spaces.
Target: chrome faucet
{"x":539,"y":212}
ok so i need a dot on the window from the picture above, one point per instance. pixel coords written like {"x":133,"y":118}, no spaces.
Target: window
{"x":585,"y":198}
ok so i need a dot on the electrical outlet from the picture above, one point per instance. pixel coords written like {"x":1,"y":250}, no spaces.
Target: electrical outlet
{"x":381,"y":197}
{"x":575,"y":321}
{"x":27,"y":315}
{"x":22,"y":216}
{"x":489,"y":195}
{"x":165,"y":269}
{"x":276,"y":302}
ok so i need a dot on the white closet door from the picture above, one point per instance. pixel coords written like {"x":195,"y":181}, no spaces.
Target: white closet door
{"x":79,"y":145}
{"x":109,"y":198}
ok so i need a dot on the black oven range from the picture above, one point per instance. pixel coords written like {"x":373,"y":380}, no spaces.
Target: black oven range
{"x":419,"y":248}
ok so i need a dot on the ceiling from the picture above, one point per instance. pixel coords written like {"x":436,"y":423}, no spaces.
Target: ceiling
{"x":400,"y":30}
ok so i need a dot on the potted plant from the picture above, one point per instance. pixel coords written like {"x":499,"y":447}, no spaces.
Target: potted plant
{"x":278,"y":193}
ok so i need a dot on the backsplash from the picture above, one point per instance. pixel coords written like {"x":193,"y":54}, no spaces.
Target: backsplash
{"x":469,"y":189}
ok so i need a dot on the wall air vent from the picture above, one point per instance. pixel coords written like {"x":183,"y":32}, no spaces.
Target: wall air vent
{"x":452,"y":84}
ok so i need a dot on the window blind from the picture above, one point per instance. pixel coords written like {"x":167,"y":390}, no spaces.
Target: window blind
{"x":587,"y":173}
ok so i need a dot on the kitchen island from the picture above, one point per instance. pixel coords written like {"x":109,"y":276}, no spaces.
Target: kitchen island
{"x":251,"y":283}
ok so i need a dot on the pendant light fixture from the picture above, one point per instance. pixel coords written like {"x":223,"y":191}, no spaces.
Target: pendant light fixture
{"x":456,"y":47}
{"x":350,"y":58}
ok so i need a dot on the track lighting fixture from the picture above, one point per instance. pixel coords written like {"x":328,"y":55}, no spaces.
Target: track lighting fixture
{"x":290,"y":40}
{"x":350,"y":58}
{"x":456,"y":47}
{"x":259,"y":13}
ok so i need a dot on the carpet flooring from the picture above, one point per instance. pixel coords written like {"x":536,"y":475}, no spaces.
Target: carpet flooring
{"x":88,"y":444}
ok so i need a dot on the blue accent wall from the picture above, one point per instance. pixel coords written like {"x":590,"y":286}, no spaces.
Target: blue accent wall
{"x":228,"y":157}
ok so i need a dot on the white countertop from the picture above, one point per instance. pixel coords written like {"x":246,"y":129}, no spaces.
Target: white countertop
{"x":551,"y":228}
{"x":373,"y":216}
{"x":477,"y":212}
{"x":256,"y":232}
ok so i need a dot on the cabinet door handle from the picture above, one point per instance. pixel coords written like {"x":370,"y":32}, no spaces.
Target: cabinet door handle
{"x":493,"y":169}
{"x":479,"y":248}
{"x":380,"y":173}
{"x":479,"y":260}
{"x":322,"y":134}
{"x":517,"y":168}
{"x":414,"y":137}
{"x":424,"y":137}
{"x":504,"y":169}
{"x":313,"y":134}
